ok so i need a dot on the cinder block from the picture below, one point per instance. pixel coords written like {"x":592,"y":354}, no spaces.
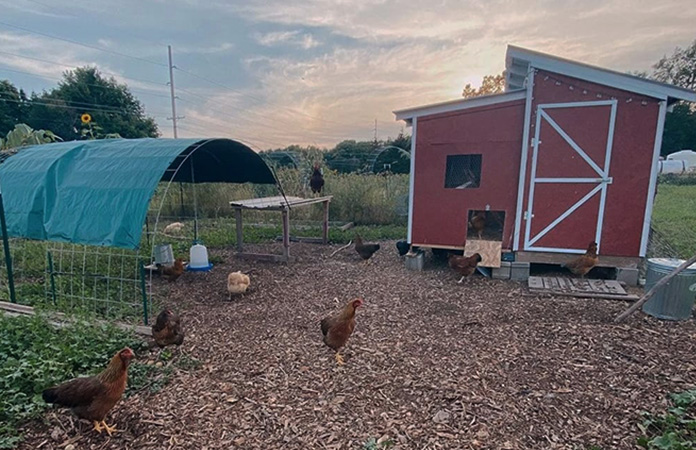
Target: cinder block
{"x":415,"y":261}
{"x":519,"y":271}
{"x":628,"y":275}
{"x":502,"y":272}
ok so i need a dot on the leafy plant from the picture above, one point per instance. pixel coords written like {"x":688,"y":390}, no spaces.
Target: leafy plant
{"x":674,"y":429}
{"x":23,"y":135}
{"x":374,"y":444}
{"x":35,"y":355}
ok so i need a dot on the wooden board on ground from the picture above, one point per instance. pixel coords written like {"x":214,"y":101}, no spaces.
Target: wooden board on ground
{"x":577,"y":286}
{"x":489,"y":251}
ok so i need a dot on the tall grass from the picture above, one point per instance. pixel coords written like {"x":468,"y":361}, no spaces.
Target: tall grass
{"x":364,"y":199}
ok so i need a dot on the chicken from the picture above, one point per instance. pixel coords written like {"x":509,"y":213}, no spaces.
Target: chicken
{"x":464,"y":265}
{"x":237,"y":283}
{"x":365,"y":250}
{"x":338,"y":327}
{"x":583,"y":264}
{"x":167,"y":329}
{"x":478,"y":223}
{"x":316,"y":182}
{"x":91,"y":398}
{"x":172,"y":273}
{"x":402,"y":247}
{"x":174,"y":228}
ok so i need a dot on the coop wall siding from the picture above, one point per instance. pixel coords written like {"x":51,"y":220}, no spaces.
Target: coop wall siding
{"x":495,"y":132}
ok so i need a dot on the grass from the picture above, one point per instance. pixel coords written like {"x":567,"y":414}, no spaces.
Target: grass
{"x":675,"y":429}
{"x":674,"y":217}
{"x":34,"y":355}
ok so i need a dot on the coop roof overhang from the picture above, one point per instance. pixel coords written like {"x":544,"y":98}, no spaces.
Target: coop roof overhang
{"x":98,"y":192}
{"x":457,"y":105}
{"x":519,"y":61}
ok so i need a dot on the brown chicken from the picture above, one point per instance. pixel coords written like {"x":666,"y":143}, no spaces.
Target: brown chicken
{"x":583,"y":264}
{"x":316,"y":182}
{"x":464,"y":265}
{"x":167,"y":329}
{"x":478,"y":223}
{"x":91,"y":398}
{"x":365,"y":250}
{"x":172,"y":273}
{"x":338,"y":327}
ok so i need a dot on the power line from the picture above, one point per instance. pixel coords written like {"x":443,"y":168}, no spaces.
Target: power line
{"x":85,"y":106}
{"x":93,"y":47}
{"x":140,"y":91}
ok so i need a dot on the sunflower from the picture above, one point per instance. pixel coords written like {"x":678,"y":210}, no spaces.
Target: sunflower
{"x":86,"y":118}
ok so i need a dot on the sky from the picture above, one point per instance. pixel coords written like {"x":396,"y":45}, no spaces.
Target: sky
{"x":272,"y":73}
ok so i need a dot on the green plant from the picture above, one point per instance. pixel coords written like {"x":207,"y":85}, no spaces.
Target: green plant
{"x":374,"y":444}
{"x":23,"y":135}
{"x":674,"y":429}
{"x":34,"y":355}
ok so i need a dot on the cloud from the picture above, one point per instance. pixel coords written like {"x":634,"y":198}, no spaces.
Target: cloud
{"x":293,"y":38}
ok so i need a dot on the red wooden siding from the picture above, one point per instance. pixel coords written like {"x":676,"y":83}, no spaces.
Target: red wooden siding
{"x":631,"y":164}
{"x":495,"y":132}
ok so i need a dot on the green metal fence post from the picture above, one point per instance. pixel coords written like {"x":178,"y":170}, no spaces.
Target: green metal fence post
{"x":144,"y":291}
{"x":51,"y":274}
{"x":8,"y":256}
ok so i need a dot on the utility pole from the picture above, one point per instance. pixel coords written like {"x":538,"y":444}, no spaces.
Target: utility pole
{"x":171,"y":90}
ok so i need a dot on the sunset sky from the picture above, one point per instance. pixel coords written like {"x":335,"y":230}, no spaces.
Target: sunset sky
{"x":272,"y":73}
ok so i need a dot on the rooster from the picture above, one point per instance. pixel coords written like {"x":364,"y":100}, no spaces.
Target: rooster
{"x":464,"y":265}
{"x":172,"y":273}
{"x":365,"y":250}
{"x":338,"y":327}
{"x":167,"y":329}
{"x":583,"y":264}
{"x":92,"y":398}
{"x":316,"y":182}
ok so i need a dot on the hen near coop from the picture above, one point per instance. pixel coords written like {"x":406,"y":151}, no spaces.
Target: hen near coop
{"x":172,"y":273}
{"x":402,"y":247}
{"x":583,"y":264}
{"x":167,"y":329}
{"x":464,"y":265}
{"x":92,"y":398}
{"x":316,"y":182}
{"x":365,"y":250}
{"x":237,"y":283}
{"x":478,"y":223}
{"x":338,"y":327}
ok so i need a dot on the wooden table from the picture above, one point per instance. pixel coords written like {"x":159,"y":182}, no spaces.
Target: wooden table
{"x":282,"y":204}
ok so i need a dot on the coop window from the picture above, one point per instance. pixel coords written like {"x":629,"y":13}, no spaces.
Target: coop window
{"x":463,"y":172}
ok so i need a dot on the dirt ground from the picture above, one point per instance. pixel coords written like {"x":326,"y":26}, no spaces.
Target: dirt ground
{"x":431,"y":365}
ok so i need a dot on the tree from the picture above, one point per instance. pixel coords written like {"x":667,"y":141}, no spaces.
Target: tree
{"x":680,"y":124}
{"x":492,"y":84}
{"x":13,"y":107}
{"x":678,"y":69}
{"x":86,"y":90}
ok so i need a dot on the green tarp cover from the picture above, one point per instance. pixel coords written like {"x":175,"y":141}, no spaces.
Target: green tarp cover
{"x":98,"y":192}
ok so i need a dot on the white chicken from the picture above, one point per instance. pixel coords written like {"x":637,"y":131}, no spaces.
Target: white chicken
{"x":174,"y":228}
{"x":237,"y":283}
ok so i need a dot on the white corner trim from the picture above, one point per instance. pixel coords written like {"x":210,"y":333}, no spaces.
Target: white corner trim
{"x":598,"y":75}
{"x":412,"y":179}
{"x":653,"y":179}
{"x":523,"y":160}
{"x":459,"y":104}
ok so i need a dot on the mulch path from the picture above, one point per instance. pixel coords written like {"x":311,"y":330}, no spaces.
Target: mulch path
{"x":432,"y":364}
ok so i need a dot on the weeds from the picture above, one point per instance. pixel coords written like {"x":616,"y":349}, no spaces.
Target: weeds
{"x":374,"y":444}
{"x":35,"y":355}
{"x":674,"y":429}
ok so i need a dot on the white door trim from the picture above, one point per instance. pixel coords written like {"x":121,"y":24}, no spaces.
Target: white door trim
{"x":602,"y":182}
{"x":412,"y":180}
{"x":523,"y":161}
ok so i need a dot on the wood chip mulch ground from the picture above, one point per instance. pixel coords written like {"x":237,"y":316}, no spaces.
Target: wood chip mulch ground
{"x":432,"y":365}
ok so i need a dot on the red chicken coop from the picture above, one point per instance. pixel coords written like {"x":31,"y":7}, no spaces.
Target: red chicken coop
{"x":565,"y":156}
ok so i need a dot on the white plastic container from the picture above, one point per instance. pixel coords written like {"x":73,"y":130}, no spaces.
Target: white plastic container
{"x":198,"y":257}
{"x":164,"y":255}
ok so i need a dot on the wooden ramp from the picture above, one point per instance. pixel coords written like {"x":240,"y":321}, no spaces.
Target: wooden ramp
{"x":579,"y":287}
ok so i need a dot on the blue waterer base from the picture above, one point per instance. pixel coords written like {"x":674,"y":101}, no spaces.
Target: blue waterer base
{"x":200,"y":269}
